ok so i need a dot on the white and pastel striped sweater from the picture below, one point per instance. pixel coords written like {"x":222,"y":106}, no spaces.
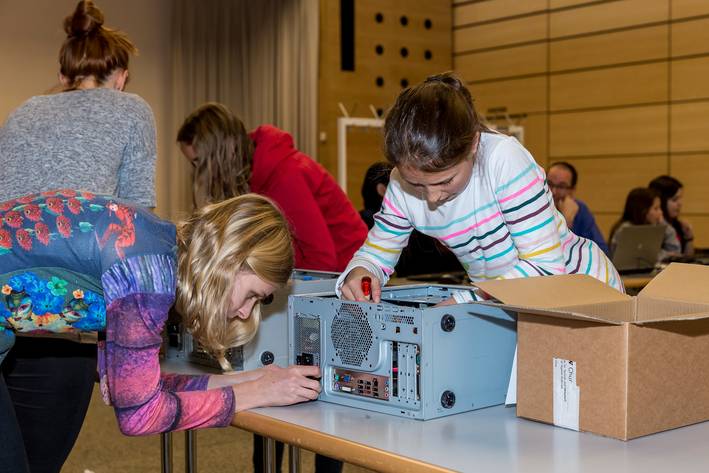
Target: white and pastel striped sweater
{"x":503,"y":225}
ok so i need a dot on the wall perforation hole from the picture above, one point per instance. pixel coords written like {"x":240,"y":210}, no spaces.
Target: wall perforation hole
{"x":428,"y":55}
{"x":379,"y":49}
{"x":428,"y":24}
{"x":404,"y":52}
{"x":404,"y":83}
{"x":379,"y":18}
{"x":380,"y":81}
{"x":404,"y":20}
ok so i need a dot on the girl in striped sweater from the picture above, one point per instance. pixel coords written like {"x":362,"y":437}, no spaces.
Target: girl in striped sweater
{"x":479,"y":192}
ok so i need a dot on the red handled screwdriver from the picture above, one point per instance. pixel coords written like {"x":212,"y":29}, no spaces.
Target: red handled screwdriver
{"x":367,"y":286}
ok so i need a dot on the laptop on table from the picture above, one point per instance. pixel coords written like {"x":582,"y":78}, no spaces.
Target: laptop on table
{"x":637,"y":248}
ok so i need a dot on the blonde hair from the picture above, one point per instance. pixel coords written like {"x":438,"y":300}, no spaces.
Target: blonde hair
{"x":245,"y":233}
{"x":224,"y":152}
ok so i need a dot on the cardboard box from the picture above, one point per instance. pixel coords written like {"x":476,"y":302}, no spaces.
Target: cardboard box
{"x":625,"y":366}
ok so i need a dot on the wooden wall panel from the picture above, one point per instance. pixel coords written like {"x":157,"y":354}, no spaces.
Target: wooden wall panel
{"x":358,"y":89}
{"x":495,"y":9}
{"x":609,"y":132}
{"x":556,"y":4}
{"x":517,"y":95}
{"x":641,"y":44}
{"x":689,"y":8}
{"x":535,"y":137}
{"x":700,"y":224}
{"x":693,"y":171}
{"x":609,"y":87}
{"x":690,"y":79}
{"x":505,"y":63}
{"x":689,"y":124}
{"x":613,"y":98}
{"x":606,"y":16}
{"x":690,"y":37}
{"x":616,"y":177}
{"x":514,"y":31}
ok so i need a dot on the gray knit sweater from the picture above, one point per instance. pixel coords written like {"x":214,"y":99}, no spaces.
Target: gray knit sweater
{"x":99,"y":140}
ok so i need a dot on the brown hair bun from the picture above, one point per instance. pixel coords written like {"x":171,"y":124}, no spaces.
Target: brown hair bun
{"x":87,"y":19}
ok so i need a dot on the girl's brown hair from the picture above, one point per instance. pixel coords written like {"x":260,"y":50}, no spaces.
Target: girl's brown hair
{"x":245,"y":233}
{"x":224,"y":152}
{"x":637,"y":205}
{"x":433,"y":125}
{"x":90,"y":49}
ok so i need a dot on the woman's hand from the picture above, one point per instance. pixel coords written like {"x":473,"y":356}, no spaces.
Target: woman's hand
{"x":352,"y":287}
{"x":278,"y":386}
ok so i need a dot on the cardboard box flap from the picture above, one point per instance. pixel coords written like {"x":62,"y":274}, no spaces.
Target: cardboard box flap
{"x":552,"y":292}
{"x":662,"y":310}
{"x":567,"y":314}
{"x":678,"y":318}
{"x":680,"y":282}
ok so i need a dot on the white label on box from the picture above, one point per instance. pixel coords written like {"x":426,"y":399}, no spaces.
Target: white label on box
{"x":566,"y":394}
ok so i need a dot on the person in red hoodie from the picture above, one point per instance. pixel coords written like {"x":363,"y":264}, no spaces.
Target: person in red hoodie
{"x":228,"y":161}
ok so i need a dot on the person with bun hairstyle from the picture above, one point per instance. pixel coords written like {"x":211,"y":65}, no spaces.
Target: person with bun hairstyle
{"x":478,"y":192}
{"x":92,"y":136}
{"x":671,"y":192}
{"x":105,"y":264}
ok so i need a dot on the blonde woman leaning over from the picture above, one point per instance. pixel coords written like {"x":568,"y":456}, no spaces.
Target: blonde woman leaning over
{"x":98,"y":263}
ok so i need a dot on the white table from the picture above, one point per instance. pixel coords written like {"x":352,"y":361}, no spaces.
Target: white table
{"x":487,"y":440}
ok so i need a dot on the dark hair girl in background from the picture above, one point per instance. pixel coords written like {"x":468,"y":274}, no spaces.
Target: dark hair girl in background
{"x":671,"y":195}
{"x":642,"y":207}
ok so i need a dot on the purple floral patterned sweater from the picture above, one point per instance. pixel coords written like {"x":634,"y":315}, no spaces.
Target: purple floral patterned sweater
{"x":73,"y":261}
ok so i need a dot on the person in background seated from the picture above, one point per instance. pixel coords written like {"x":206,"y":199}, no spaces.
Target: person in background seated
{"x":562,"y":179}
{"x":99,"y":263}
{"x":671,"y":194}
{"x":228,"y":161}
{"x":642,"y":207}
{"x":423,"y":254}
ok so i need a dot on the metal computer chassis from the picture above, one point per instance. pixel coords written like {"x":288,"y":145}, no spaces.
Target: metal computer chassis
{"x":404,"y":356}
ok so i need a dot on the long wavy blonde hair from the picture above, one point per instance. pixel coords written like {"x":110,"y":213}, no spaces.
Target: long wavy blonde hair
{"x":244,"y":233}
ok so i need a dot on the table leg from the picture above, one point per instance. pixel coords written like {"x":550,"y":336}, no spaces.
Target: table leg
{"x":166,"y":452}
{"x":269,"y":455}
{"x":293,"y":459}
{"x":190,"y":451}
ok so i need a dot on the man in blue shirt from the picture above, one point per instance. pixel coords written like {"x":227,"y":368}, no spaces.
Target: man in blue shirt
{"x":562,"y":178}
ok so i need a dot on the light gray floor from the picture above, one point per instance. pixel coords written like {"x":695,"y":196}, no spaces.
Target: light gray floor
{"x":101,"y":448}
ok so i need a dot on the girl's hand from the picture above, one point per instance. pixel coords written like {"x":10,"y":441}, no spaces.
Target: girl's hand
{"x":278,"y":387}
{"x":352,"y":287}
